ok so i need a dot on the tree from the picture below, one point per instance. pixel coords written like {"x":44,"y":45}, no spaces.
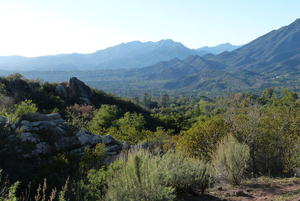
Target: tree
{"x":103,"y":119}
{"x":129,"y":128}
{"x":202,"y":138}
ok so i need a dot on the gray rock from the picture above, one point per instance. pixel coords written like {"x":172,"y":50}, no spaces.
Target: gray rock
{"x":25,"y":123}
{"x":78,"y":151}
{"x":36,"y":116}
{"x":111,"y":153}
{"x":26,"y":128}
{"x":54,"y":116}
{"x":42,"y":148}
{"x":108,"y":139}
{"x":59,"y":121}
{"x":126,"y":145}
{"x":28,"y":137}
{"x":79,"y":91}
{"x":114,"y":148}
{"x":43,"y":124}
{"x":86,"y":138}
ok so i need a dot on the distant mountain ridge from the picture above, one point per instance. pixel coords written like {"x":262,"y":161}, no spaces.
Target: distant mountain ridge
{"x":270,"y":60}
{"x":133,"y":54}
{"x":219,"y":48}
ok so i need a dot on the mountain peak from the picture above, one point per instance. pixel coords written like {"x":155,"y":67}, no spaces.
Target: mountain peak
{"x":296,"y":22}
{"x":219,"y":48}
{"x":169,"y":43}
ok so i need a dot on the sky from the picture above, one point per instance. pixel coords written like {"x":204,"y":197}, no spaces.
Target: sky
{"x":45,"y":27}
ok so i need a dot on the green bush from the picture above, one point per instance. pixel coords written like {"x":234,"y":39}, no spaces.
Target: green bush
{"x":184,"y":174}
{"x":143,"y":176}
{"x":93,"y":157}
{"x":131,"y":128}
{"x":202,"y":138}
{"x":230,"y":160}
{"x":25,"y":107}
{"x":15,"y":112}
{"x":139,"y":179}
{"x":103,"y":119}
{"x":8,"y":193}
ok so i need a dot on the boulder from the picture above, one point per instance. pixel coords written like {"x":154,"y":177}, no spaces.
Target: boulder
{"x":25,"y":123}
{"x":37,"y":116}
{"x":54,"y":116}
{"x":86,"y":138}
{"x":114,"y":148}
{"x":108,"y":139}
{"x":79,"y":92}
{"x":48,"y":134}
{"x":28,"y":137}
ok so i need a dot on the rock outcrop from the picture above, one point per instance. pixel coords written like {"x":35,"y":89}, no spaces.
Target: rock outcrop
{"x":75,"y":91}
{"x":39,"y":135}
{"x":78,"y":90}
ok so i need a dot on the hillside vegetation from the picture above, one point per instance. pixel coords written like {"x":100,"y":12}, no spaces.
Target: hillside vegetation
{"x":67,"y":141}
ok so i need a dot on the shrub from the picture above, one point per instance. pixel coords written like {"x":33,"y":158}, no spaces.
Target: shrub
{"x":8,"y":193}
{"x":25,"y":107}
{"x":143,"y":176}
{"x":139,"y":179}
{"x":79,"y":116}
{"x":185,"y":174}
{"x":15,"y":112}
{"x":93,"y":157}
{"x":131,"y":128}
{"x":15,"y":76}
{"x":230,"y":160}
{"x":103,"y":119}
{"x":201,"y":140}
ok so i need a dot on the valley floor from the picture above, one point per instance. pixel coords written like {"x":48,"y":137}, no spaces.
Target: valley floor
{"x":262,"y":189}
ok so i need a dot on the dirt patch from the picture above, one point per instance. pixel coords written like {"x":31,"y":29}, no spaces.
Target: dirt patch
{"x":255,"y":190}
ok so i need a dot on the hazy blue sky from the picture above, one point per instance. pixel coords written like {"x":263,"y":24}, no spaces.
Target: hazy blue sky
{"x":40,"y":27}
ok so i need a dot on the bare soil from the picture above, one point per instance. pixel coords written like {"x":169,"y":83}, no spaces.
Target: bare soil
{"x":261,"y":189}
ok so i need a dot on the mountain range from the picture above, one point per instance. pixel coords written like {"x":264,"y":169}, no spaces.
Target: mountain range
{"x":272,"y":60}
{"x":133,"y":54}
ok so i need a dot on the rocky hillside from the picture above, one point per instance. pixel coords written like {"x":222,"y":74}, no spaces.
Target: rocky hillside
{"x":33,"y":136}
